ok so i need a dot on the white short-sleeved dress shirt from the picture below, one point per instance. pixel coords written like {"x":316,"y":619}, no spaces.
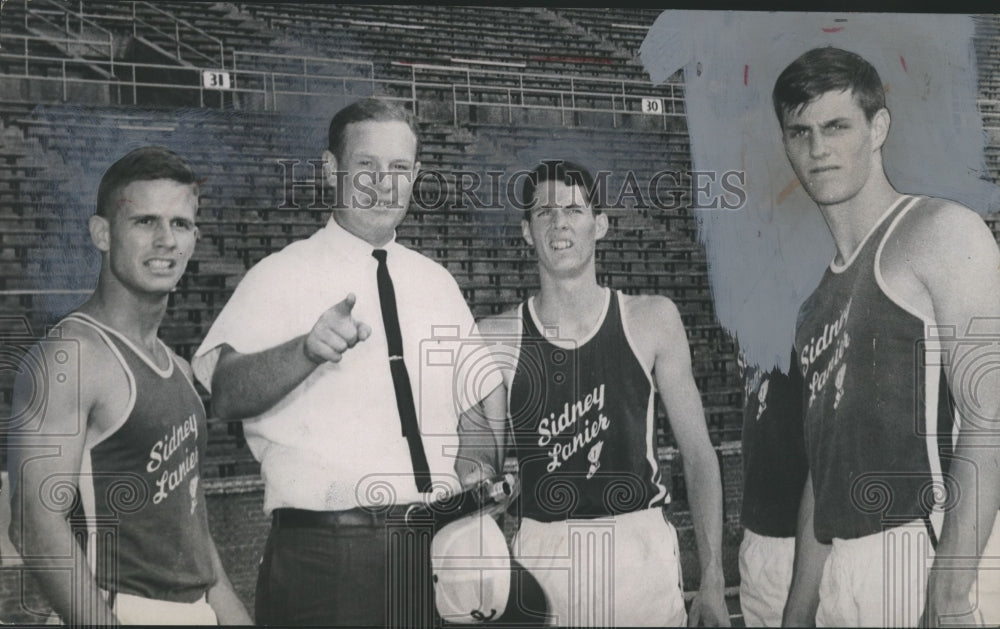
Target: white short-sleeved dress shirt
{"x":335,"y":442}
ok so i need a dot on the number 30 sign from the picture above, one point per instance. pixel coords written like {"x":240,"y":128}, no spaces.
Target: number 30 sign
{"x":652,"y":106}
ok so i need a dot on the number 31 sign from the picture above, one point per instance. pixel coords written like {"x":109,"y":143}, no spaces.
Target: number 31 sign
{"x":215,"y":80}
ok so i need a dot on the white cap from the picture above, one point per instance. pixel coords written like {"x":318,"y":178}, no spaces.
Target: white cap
{"x":471,"y":566}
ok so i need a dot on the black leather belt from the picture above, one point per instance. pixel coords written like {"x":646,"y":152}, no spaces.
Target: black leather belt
{"x":416,"y":514}
{"x":357,"y":517}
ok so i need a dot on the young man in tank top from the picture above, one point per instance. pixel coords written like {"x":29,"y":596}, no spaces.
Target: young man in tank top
{"x":582,"y":363}
{"x":774,"y":470}
{"x":904,"y":317}
{"x":121,"y":426}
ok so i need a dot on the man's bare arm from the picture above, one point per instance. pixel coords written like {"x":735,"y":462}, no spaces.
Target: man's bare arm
{"x":222,"y":597}
{"x":961,"y":271}
{"x":676,"y":385}
{"x":245,"y":385}
{"x":483,"y":430}
{"x":807,"y":570}
{"x":44,"y":455}
{"x":481,"y":439}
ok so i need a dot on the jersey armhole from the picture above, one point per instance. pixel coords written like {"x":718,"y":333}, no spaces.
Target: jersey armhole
{"x":516,"y":356}
{"x":662,"y":496}
{"x":647,"y":369}
{"x":928,"y":320}
{"x":189,"y":378}
{"x":931,"y":376}
{"x":94,"y":438}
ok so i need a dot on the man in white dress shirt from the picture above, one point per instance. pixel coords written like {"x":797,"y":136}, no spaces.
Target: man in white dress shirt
{"x":303,"y":354}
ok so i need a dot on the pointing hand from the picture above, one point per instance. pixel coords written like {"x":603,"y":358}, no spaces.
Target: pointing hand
{"x":335,"y":332}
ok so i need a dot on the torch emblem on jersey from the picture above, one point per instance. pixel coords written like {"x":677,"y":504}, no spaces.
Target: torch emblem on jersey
{"x":840,"y":384}
{"x":193,"y":490}
{"x":594,"y":456}
{"x":762,"y":398}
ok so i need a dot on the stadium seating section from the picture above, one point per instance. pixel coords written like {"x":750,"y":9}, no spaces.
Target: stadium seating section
{"x":496,"y":87}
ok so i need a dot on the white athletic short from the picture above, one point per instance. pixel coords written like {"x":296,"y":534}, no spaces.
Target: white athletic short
{"x":136,"y":610}
{"x":986,"y":595}
{"x":878,"y":580}
{"x":854,"y":592}
{"x":765,"y":577}
{"x":616,"y":571}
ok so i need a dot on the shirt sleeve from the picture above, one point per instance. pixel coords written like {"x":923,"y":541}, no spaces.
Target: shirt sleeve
{"x":667,"y":46}
{"x":257,"y":317}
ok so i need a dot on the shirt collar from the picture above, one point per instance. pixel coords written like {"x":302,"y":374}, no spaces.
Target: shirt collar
{"x":346,"y":244}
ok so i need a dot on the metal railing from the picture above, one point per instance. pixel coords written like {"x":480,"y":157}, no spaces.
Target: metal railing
{"x":180,"y":26}
{"x":33,"y":12}
{"x":473,"y":87}
{"x":181,"y":33}
{"x":28,"y":58}
{"x":265,"y":86}
{"x":31,"y":8}
{"x":305,"y":69}
{"x":302,"y":77}
{"x":269,"y":76}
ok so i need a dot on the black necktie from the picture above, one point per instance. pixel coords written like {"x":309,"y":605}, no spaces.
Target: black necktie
{"x":400,"y":377}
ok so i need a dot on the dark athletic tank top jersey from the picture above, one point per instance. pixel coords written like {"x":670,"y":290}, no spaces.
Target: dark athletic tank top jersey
{"x":583,"y":423}
{"x":774,"y":454}
{"x":139,"y":484}
{"x":874,"y":407}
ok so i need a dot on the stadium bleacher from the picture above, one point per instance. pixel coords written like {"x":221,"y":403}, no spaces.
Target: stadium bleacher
{"x":83,"y":82}
{"x":623,"y":28}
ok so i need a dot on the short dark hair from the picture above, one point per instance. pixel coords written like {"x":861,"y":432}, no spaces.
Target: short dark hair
{"x":823,"y":70}
{"x":570,"y":173}
{"x":363,"y":110}
{"x":142,"y":164}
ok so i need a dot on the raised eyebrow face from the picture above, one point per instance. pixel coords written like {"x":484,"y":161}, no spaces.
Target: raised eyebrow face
{"x":144,"y":200}
{"x":185,"y":221}
{"x":837,"y":122}
{"x":359,"y":158}
{"x":797,"y":129}
{"x":132,"y":212}
{"x":545,"y":208}
{"x":573,"y":205}
{"x":547,"y":197}
{"x":831,"y":122}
